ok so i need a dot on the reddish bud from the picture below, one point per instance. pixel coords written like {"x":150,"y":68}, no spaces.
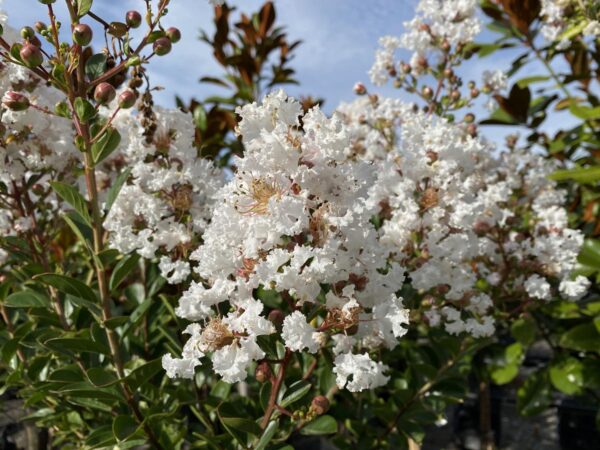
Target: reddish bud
{"x":263,"y":372}
{"x":127,"y":99}
{"x":174,"y":35}
{"x":276,"y":317}
{"x":82,"y":34}
{"x":320,"y":405}
{"x":455,"y":95}
{"x":405,"y":67}
{"x":15,"y":101}
{"x":360,"y":89}
{"x":31,"y":55}
{"x":40,"y":26}
{"x":133,"y":19}
{"x":104,"y":93}
{"x":481,"y":228}
{"x":427,"y":92}
{"x":162,"y":46}
{"x":472,"y":129}
{"x":474,"y":92}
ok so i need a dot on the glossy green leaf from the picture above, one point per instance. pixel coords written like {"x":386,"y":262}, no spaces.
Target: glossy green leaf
{"x":267,"y":435}
{"x":83,"y":7}
{"x":101,"y":377}
{"x":534,"y":396}
{"x":321,"y":425}
{"x":295,"y":392}
{"x":68,"y":285}
{"x":73,"y":197}
{"x":123,"y":269}
{"x":27,"y":299}
{"x":114,"y":190}
{"x":85,"y":110}
{"x":108,"y":143}
{"x":123,"y":427}
{"x":143,"y":373}
{"x":567,"y":375}
{"x":95,"y":66}
{"x":584,"y":337}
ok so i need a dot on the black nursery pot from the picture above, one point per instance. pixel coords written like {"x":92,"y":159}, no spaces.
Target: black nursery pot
{"x":577,"y":425}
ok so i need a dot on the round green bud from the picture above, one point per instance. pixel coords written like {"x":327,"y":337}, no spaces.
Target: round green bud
{"x":162,"y":46}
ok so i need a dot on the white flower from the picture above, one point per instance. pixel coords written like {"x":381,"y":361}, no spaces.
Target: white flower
{"x":298,"y":334}
{"x":537,"y":287}
{"x":358,"y":372}
{"x":574,"y":289}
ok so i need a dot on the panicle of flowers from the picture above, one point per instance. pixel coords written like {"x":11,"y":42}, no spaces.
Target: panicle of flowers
{"x":294,"y":222}
{"x":36,"y":146}
{"x":438,"y":26}
{"x":470,"y":227}
{"x":168,"y":200}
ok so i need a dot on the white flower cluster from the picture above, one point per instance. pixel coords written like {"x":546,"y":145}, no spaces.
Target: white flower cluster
{"x":468,"y":227}
{"x":35,"y":146}
{"x":554,"y":21}
{"x":452,"y":22}
{"x":166,"y":205}
{"x":294,"y":221}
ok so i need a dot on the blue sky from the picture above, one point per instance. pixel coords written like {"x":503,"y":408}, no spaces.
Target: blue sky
{"x":339,"y":41}
{"x":340,"y":37}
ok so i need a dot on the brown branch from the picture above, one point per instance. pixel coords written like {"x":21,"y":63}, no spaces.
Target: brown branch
{"x":271,"y":406}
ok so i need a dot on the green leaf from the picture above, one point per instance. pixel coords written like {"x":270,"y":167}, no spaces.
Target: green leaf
{"x":115,"y":322}
{"x":567,"y":375}
{"x":83,"y":7}
{"x":122,"y":269}
{"x":322,"y":425}
{"x":523,"y":330}
{"x":200,"y":118}
{"x":237,"y":427}
{"x":267,"y":435}
{"x":68,"y":285}
{"x":76,"y":345}
{"x":84,"y":110}
{"x":585,"y":112}
{"x":524,"y":82}
{"x":508,"y":368}
{"x":101,"y":377}
{"x":590,"y":254}
{"x":123,"y":427}
{"x":108,"y":143}
{"x":143,"y":373}
{"x":534,"y":396}
{"x":114,"y":190}
{"x":95,"y":66}
{"x":73,"y":197}
{"x":27,"y":299}
{"x":296,"y":391}
{"x":583,"y":175}
{"x":15,"y":51}
{"x":584,"y":337}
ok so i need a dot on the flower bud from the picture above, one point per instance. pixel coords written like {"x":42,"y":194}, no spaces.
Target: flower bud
{"x":427,"y":92}
{"x":31,"y":55}
{"x":263,"y":372}
{"x":360,"y":89}
{"x":320,"y":405}
{"x":127,"y":99}
{"x":104,"y":93}
{"x":422,"y":62}
{"x":47,"y":2}
{"x":162,"y":46}
{"x":38,"y":189}
{"x":455,"y":95}
{"x":40,"y":26}
{"x":474,"y":92}
{"x":446,"y":45}
{"x":133,"y":19}
{"x":469,"y":118}
{"x":472,"y":129}
{"x":481,"y":228}
{"x":276,"y":317}
{"x":27,"y":32}
{"x":405,"y":67}
{"x":448,"y":73}
{"x":15,"y":101}
{"x":82,"y":34}
{"x":174,"y":35}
